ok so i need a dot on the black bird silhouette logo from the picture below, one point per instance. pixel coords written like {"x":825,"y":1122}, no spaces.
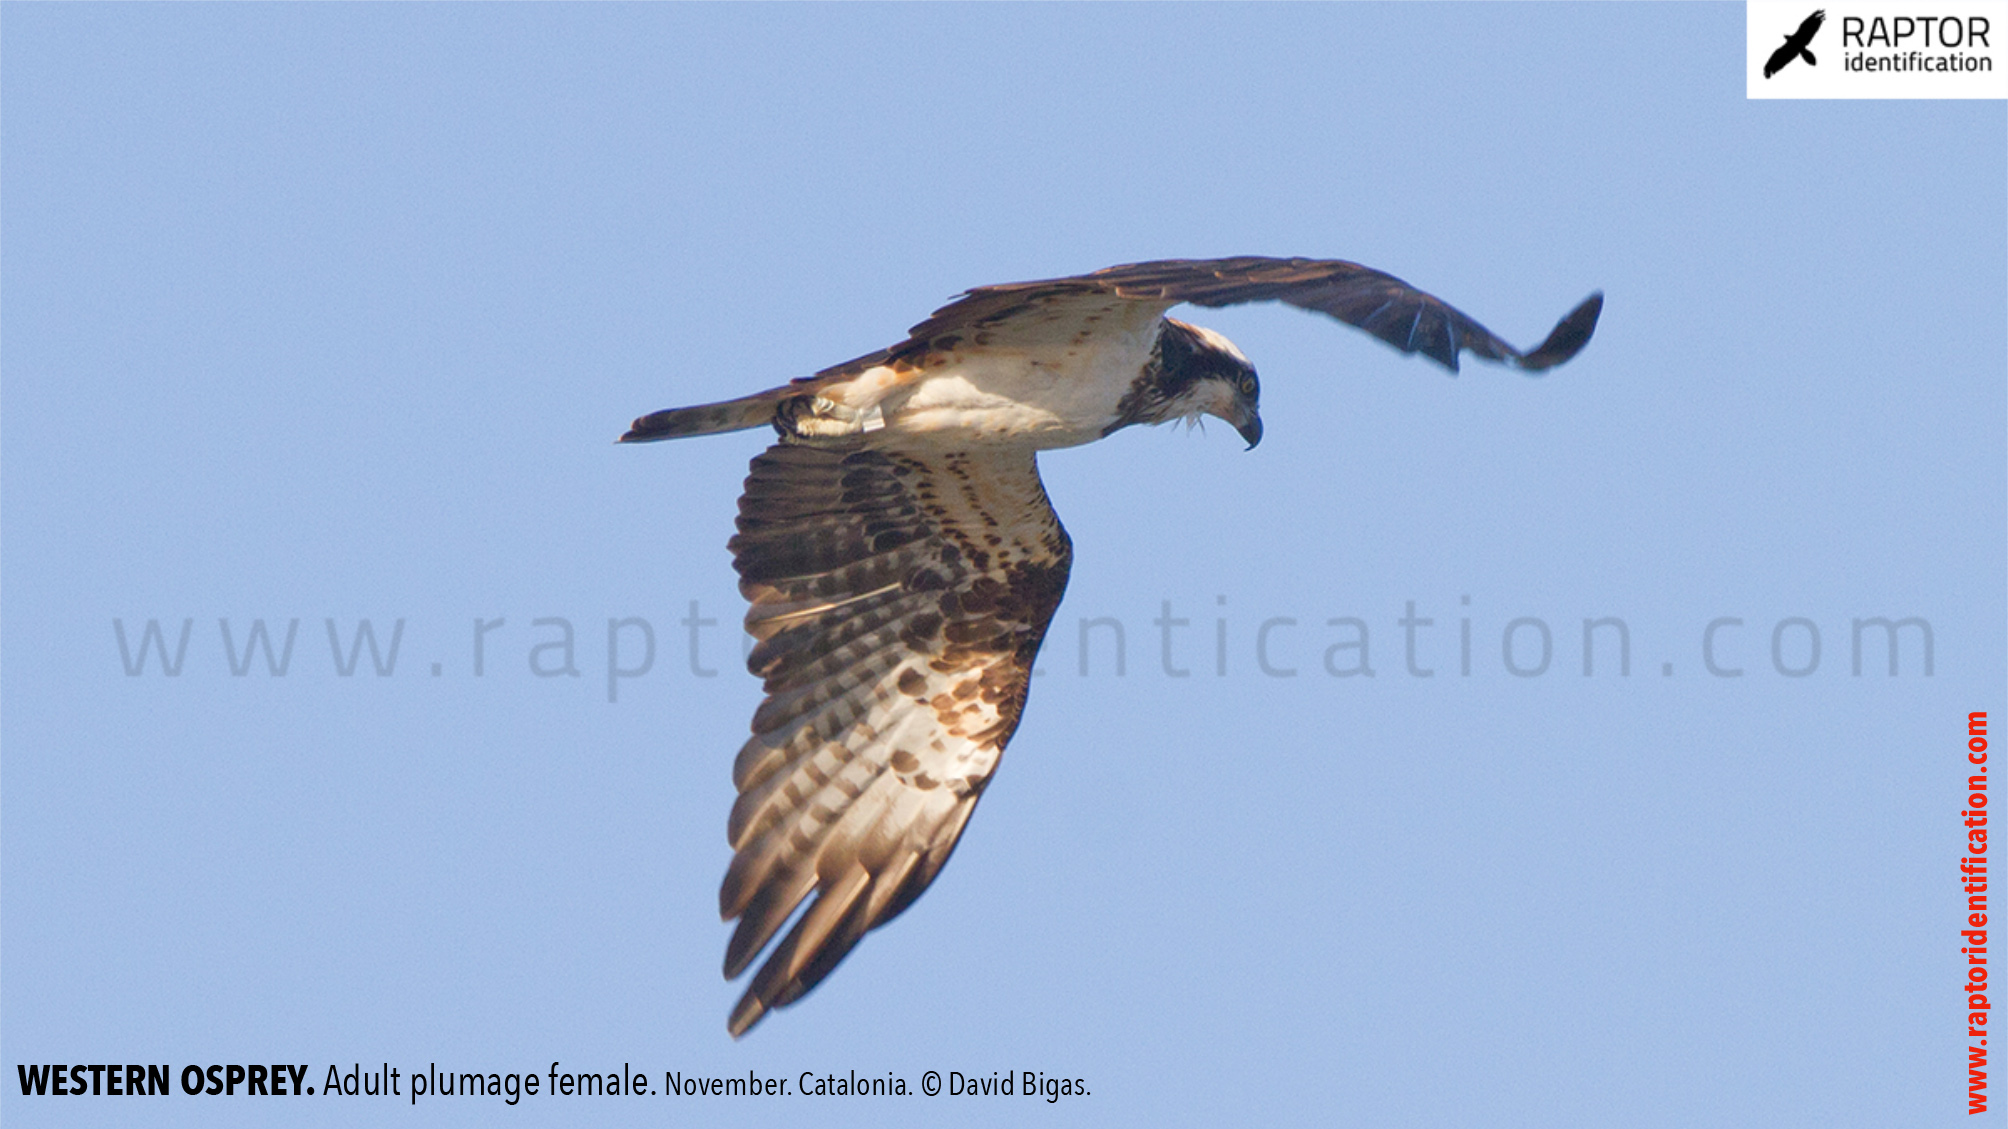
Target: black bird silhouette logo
{"x":1796,"y":45}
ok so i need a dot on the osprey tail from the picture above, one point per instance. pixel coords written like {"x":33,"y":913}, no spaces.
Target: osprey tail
{"x":756,"y":410}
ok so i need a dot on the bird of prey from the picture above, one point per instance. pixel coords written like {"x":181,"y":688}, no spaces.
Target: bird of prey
{"x":902,"y":562}
{"x":1796,"y":45}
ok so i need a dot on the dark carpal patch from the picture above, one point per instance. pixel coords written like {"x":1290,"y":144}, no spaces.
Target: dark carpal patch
{"x":901,"y":583}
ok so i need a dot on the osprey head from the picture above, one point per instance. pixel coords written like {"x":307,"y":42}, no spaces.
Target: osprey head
{"x":1194,"y":372}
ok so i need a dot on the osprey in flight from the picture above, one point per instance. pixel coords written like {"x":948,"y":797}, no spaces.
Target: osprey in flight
{"x":902,"y":561}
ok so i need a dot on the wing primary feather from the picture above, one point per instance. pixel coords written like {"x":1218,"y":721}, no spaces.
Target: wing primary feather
{"x":1355,"y":294}
{"x":900,"y":598}
{"x":899,"y":593}
{"x":1568,"y":337}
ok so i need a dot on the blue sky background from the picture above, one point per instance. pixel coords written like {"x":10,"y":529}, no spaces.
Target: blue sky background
{"x":332,"y":312}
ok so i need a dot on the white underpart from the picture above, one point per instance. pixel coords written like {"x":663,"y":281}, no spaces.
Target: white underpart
{"x":1206,"y":398}
{"x":1045,"y":395}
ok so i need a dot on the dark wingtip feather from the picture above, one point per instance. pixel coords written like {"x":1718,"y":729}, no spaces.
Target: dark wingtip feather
{"x":1567,"y":338}
{"x":750,"y":1010}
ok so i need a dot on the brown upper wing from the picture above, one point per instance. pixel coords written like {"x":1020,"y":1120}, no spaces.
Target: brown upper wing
{"x":899,"y":600}
{"x":1383,"y":305}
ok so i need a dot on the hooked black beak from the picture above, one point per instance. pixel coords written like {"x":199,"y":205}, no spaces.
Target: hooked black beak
{"x":1250,"y":427}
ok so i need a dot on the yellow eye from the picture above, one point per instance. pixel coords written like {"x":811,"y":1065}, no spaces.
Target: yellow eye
{"x":1247,"y":386}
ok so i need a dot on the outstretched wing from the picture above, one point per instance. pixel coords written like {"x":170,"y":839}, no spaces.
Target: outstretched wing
{"x":1119,"y":308}
{"x":899,"y":599}
{"x":1118,"y":297}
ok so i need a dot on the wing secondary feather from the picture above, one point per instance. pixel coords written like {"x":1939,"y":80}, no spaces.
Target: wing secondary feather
{"x":1409,"y":319}
{"x":899,"y":600}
